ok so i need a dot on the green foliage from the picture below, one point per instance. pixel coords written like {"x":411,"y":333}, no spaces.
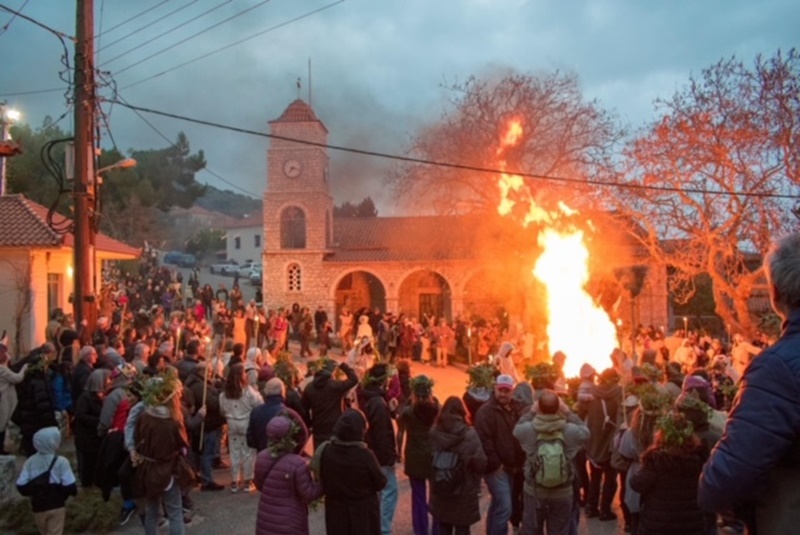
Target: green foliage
{"x":287,"y":444}
{"x":26,"y":173}
{"x":160,"y":389}
{"x":86,"y":513}
{"x":229,"y":203}
{"x":285,"y":370}
{"x":481,"y":376}
{"x":542,"y":375}
{"x":675,"y":429}
{"x":366,"y":208}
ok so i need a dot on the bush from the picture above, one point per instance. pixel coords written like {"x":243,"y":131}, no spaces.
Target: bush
{"x":87,"y":512}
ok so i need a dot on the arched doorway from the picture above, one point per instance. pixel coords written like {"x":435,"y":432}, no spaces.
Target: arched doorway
{"x":425,"y":292}
{"x":359,"y":289}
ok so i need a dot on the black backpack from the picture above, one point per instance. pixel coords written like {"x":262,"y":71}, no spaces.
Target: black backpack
{"x":448,"y":473}
{"x":40,"y":487}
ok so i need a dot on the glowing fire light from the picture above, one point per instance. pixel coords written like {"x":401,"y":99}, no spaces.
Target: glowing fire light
{"x":575,"y":324}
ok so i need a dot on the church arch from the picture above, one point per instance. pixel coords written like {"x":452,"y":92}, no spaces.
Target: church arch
{"x":359,"y":289}
{"x":425,"y":291}
{"x":293,"y":228}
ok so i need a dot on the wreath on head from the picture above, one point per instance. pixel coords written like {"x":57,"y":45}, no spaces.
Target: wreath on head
{"x":481,"y":376}
{"x":676,"y":429}
{"x":285,"y":444}
{"x":160,"y":389}
{"x":542,"y":375}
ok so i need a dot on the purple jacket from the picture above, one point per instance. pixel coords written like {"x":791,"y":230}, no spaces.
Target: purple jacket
{"x":286,"y":491}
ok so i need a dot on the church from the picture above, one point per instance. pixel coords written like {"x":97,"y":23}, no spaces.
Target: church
{"x":444,"y":266}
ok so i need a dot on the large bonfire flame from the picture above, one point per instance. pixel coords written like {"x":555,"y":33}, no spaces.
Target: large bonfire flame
{"x":575,"y":324}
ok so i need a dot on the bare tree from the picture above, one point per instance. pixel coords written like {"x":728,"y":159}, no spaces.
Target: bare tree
{"x":734,"y":130}
{"x":21,"y":286}
{"x":563,"y":134}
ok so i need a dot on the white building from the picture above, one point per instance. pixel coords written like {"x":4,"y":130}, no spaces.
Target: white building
{"x":245,"y":240}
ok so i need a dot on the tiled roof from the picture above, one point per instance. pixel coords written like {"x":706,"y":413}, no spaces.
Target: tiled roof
{"x":247,"y":222}
{"x":23,"y":223}
{"x":297,"y":112}
{"x":397,"y":239}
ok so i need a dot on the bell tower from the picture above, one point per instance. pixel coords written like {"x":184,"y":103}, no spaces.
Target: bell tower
{"x":297,"y":180}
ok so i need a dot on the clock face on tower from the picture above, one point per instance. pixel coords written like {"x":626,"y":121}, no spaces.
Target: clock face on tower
{"x":292,"y":168}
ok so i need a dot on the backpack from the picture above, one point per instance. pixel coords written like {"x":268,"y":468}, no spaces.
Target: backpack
{"x":40,"y":487}
{"x":448,"y":473}
{"x":551,"y":467}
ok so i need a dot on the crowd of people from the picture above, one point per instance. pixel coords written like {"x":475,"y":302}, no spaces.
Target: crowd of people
{"x":153,"y":400}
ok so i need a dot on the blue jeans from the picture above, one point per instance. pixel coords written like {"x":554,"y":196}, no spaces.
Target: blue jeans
{"x":556,"y":514}
{"x":499,"y":513}
{"x":388,"y":500}
{"x":174,"y":508}
{"x":210,"y":452}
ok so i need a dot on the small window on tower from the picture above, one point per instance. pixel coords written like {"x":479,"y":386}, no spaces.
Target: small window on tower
{"x":237,"y":243}
{"x":257,"y":240}
{"x":295,"y":278}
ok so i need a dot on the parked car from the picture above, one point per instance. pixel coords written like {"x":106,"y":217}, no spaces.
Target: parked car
{"x":172,"y":257}
{"x":255,"y":276}
{"x":244,"y":269}
{"x":187,"y":261}
{"x":226,"y":267}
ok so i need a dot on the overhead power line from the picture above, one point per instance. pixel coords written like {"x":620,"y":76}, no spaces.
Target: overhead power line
{"x":163,"y":136}
{"x":34,"y":92}
{"x":126,"y":21}
{"x":145,"y":27}
{"x":55,"y":32}
{"x":460,"y":166}
{"x":262,"y":32}
{"x":14,"y":16}
{"x":170,"y":47}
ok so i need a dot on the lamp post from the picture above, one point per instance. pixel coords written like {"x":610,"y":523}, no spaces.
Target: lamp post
{"x":8,"y":116}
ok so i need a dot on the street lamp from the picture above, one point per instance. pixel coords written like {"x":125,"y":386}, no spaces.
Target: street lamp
{"x":127,"y":163}
{"x":8,"y":116}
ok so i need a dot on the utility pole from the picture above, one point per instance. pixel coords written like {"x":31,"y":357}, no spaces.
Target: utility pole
{"x":84,"y":306}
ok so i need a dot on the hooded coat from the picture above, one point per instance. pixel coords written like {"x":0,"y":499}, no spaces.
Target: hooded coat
{"x":528,"y":431}
{"x":351,"y":478}
{"x":323,"y":400}
{"x":286,"y":488}
{"x":62,"y":480}
{"x":601,"y":418}
{"x":667,"y":482}
{"x":35,"y":407}
{"x":418,"y":419}
{"x":8,"y":394}
{"x":194,"y":383}
{"x":453,"y":434}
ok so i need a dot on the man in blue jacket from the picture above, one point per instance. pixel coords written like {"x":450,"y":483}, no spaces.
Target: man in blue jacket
{"x":755,"y":468}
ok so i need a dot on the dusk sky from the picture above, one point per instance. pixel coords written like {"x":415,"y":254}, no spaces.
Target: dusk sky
{"x":377,"y":66}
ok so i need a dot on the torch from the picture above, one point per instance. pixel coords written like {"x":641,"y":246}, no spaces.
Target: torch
{"x":685,"y":327}
{"x":205,"y":395}
{"x":469,"y":346}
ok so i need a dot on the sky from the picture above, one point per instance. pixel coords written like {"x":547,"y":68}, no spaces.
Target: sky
{"x":378,"y":67}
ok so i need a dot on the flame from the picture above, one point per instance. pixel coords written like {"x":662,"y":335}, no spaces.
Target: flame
{"x":576,"y":326}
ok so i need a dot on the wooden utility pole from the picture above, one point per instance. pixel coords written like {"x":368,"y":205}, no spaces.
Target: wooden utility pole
{"x":84,"y":305}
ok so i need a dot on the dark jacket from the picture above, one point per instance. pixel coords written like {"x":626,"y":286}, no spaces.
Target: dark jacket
{"x":418,"y":420}
{"x":35,"y":407}
{"x":458,"y":437}
{"x":755,"y":467}
{"x":667,"y":483}
{"x":80,"y":375}
{"x":259,"y":418}
{"x":323,"y":400}
{"x":185,"y":367}
{"x":601,"y":429}
{"x":87,"y":418}
{"x":495,"y":427}
{"x":352,"y":479}
{"x":214,"y":419}
{"x":286,"y":488}
{"x":380,"y":431}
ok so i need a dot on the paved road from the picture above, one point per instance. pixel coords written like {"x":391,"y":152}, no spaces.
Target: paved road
{"x":234,"y":514}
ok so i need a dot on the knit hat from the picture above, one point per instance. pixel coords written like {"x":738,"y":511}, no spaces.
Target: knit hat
{"x":278,"y":427}
{"x":350,"y":426}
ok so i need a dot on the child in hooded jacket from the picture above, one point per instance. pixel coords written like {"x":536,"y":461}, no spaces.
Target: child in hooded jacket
{"x":48,"y":506}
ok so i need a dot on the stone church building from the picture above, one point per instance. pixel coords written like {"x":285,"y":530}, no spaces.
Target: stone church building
{"x":440,"y":265}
